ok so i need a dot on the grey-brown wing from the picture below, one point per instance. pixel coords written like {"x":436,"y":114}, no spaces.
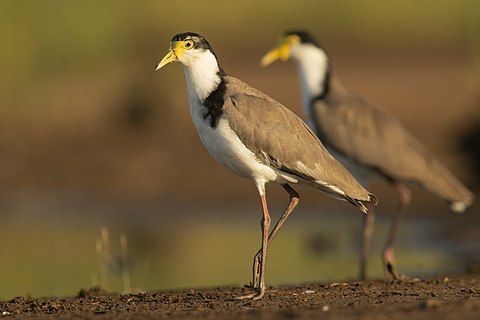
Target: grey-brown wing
{"x":278,"y":137}
{"x":374,"y":139}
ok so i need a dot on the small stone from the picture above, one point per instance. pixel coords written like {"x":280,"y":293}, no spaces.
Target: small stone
{"x":326,"y":308}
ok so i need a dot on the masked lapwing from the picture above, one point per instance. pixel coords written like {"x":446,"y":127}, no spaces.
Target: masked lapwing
{"x":368,"y":142}
{"x":257,"y":138}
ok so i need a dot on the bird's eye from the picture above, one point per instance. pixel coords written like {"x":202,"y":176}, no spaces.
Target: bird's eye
{"x":188,"y":44}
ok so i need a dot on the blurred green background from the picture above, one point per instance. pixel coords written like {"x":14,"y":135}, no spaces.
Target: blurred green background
{"x":92,"y":137}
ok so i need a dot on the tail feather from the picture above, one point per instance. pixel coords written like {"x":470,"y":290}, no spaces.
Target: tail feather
{"x":436,"y":178}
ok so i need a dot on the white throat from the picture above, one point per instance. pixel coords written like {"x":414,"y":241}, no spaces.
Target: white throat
{"x":312,"y":66}
{"x":201,"y":72}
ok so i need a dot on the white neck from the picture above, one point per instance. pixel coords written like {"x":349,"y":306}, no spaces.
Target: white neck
{"x":312,"y":67}
{"x":201,"y":72}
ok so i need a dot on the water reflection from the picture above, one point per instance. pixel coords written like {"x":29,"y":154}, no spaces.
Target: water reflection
{"x":164,"y":247}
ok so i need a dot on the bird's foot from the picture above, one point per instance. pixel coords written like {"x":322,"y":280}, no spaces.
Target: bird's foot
{"x":257,"y":295}
{"x":394,"y":274}
{"x":390,"y":270}
{"x":389,"y":265}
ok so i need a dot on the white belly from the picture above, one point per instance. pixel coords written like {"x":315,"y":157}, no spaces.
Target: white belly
{"x":225,"y":147}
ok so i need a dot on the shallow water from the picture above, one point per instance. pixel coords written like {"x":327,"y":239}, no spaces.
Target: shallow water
{"x":55,"y":251}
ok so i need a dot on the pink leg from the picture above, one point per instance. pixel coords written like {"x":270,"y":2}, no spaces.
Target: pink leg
{"x":294,"y":198}
{"x":404,"y":199}
{"x":265,"y":224}
{"x":367,"y":230}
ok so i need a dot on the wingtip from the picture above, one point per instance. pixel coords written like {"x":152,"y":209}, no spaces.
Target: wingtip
{"x":373,"y":199}
{"x":363,"y":208}
{"x":462,"y":205}
{"x":459,"y":207}
{"x":359,"y":204}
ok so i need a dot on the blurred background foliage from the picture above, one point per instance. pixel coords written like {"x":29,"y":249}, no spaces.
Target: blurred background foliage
{"x":90,"y":135}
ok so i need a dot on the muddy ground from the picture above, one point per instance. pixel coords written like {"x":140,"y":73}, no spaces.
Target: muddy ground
{"x":437,"y":298}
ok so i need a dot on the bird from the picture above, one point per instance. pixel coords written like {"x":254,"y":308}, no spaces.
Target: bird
{"x":256,"y":137}
{"x":367,"y":140}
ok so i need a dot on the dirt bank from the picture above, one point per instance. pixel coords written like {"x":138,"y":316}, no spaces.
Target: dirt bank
{"x":439,"y":298}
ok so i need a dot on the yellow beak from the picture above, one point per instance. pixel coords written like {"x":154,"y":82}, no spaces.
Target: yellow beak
{"x":282,"y":52}
{"x":169,"y":57}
